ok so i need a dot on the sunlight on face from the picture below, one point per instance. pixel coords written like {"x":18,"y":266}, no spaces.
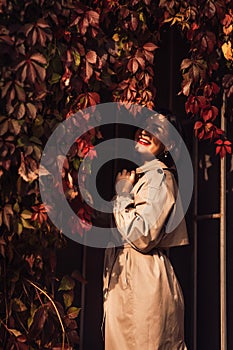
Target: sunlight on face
{"x":147,"y":144}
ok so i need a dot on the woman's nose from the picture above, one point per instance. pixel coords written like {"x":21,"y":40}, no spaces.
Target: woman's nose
{"x":146,"y":133}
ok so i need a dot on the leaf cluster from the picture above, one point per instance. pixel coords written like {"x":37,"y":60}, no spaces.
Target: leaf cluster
{"x":208,"y":26}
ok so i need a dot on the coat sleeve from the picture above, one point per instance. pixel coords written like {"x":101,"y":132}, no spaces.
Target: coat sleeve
{"x":140,"y":217}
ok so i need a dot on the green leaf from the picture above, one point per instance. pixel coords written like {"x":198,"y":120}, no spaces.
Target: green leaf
{"x":35,"y":139}
{"x":73,"y":312}
{"x":77,"y":58}
{"x":76,"y":163}
{"x":68,"y":298}
{"x":55,"y":78}
{"x":26,"y":224}
{"x":20,"y":228}
{"x":16,"y":207}
{"x":18,"y":305}
{"x":39,"y":120}
{"x":37,"y":152}
{"x":26,"y":214}
{"x":32,"y":313}
{"x":141,"y":17}
{"x":39,"y":319}
{"x":67,"y":283}
{"x":15,"y":332}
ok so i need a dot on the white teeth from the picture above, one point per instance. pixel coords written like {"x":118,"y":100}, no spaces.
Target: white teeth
{"x":146,"y":142}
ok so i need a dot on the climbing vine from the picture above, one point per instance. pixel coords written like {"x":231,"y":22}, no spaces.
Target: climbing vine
{"x":60,"y":57}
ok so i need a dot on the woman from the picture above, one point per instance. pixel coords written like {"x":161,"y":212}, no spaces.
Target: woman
{"x":143,"y":302}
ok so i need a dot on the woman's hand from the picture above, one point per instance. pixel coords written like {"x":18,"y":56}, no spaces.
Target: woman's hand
{"x":124,"y":181}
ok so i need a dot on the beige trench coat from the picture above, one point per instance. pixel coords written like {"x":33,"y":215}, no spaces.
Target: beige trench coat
{"x":143,"y":301}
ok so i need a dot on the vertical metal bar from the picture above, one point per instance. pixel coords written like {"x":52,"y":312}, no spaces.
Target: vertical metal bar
{"x":83,"y":292}
{"x":195,"y":230}
{"x":223,"y":308}
{"x":171,"y":70}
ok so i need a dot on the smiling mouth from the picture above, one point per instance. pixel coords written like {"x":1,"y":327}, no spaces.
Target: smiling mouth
{"x":144,"y":142}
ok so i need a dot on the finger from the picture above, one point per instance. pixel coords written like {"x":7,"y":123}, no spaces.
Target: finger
{"x":132,"y":176}
{"x":118,"y":176}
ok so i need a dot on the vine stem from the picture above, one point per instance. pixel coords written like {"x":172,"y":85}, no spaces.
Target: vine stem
{"x":5,"y":296}
{"x":55,"y":308}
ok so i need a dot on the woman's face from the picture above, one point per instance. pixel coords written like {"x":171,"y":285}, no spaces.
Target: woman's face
{"x":147,"y":144}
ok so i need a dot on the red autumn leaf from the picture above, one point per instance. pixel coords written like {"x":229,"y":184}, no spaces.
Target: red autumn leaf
{"x":211,"y":89}
{"x":204,"y":130}
{"x":84,"y":147}
{"x":209,"y":113}
{"x":14,"y":127}
{"x":32,"y":111}
{"x":67,"y":58}
{"x":20,"y":91}
{"x":7,"y":214}
{"x":94,"y":98}
{"x":191,"y":32}
{"x":42,"y":23}
{"x":150,"y":47}
{"x":134,"y":22}
{"x":39,"y":58}
{"x":195,"y":103}
{"x":223,"y":147}
{"x":65,"y":79}
{"x":186,"y":85}
{"x":4,"y":127}
{"x":205,"y":41}
{"x":133,"y":65}
{"x":227,"y":83}
{"x":89,"y":72}
{"x":186,"y":63}
{"x":5,"y":88}
{"x":141,"y":62}
{"x":31,"y":68}
{"x":91,"y":57}
{"x":84,"y":213}
{"x":41,"y":72}
{"x":209,"y":9}
{"x":20,"y":111}
{"x":37,"y":32}
{"x":28,"y":169}
{"x":93,"y":18}
{"x":41,"y":37}
{"x":227,"y":20}
{"x":31,"y":72}
{"x":83,"y":25}
{"x":40,"y":213}
{"x":4,"y":36}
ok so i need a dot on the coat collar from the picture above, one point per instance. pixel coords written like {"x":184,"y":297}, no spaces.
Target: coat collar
{"x":153,"y":164}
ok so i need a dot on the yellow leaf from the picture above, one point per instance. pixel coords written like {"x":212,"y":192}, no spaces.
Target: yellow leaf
{"x":26,"y":214}
{"x":228,"y":30}
{"x":116,"y":37}
{"x":227,"y":51}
